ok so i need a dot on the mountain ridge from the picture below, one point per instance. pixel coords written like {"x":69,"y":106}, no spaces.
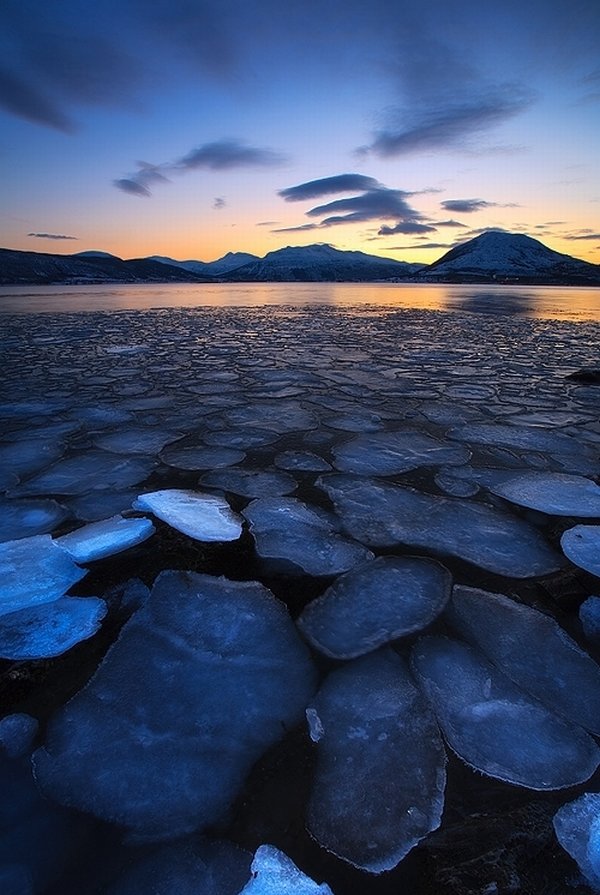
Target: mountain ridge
{"x":493,"y":256}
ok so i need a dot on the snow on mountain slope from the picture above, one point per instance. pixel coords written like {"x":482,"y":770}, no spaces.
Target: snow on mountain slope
{"x":322,"y":262}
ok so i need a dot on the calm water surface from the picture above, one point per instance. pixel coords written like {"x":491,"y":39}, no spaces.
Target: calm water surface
{"x":541,"y":302}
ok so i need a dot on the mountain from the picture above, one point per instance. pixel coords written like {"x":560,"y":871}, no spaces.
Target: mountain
{"x":37,"y":267}
{"x":321,"y":263}
{"x":508,"y":257}
{"x":213,"y":268}
{"x":93,"y":253}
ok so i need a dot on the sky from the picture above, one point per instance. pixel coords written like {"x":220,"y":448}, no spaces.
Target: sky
{"x":190,"y":128}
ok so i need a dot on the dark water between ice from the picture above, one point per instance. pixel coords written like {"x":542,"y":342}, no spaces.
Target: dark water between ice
{"x":541,"y":302}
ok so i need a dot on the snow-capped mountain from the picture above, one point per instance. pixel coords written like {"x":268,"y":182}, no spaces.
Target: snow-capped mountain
{"x":498,"y":255}
{"x":320,"y":263}
{"x":211,"y":268}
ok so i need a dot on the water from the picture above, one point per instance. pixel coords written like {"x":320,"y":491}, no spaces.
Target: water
{"x":540,"y":302}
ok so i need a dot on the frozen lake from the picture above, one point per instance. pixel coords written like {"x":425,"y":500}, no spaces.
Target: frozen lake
{"x":363,"y":448}
{"x":541,"y":302}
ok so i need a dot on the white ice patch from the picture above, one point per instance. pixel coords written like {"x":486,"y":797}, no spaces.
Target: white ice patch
{"x":577,"y":827}
{"x":34,"y":570}
{"x":273,"y":873}
{"x":204,"y":517}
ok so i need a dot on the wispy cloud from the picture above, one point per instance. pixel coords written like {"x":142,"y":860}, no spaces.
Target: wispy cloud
{"x":584,"y":236}
{"x":449,"y":223}
{"x":51,"y":236}
{"x":421,"y":245}
{"x":467,"y":206}
{"x":221,"y":155}
{"x":297,"y":229}
{"x":218,"y":203}
{"x":339,"y":183}
{"x":408,"y":227}
{"x":25,"y":100}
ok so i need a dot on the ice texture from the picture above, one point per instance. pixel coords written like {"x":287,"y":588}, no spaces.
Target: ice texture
{"x":532,"y":650}
{"x":25,"y":518}
{"x":581,"y":545}
{"x":34,"y":570}
{"x":89,"y":471}
{"x":27,"y":455}
{"x":382,"y":514}
{"x":304,"y":537}
{"x":495,"y":727}
{"x":275,"y":416}
{"x":371,"y":604}
{"x":50,"y":629}
{"x":189,"y":867}
{"x":136,"y":440}
{"x":380,"y":776}
{"x":301,"y":461}
{"x":387,"y":453}
{"x":204,"y":517}
{"x":17,"y":734}
{"x":273,"y":873}
{"x":203,"y":678}
{"x":577,"y":828}
{"x":589,"y":616}
{"x":201,"y":457}
{"x":105,"y":538}
{"x":555,"y":493}
{"x":250,"y":482}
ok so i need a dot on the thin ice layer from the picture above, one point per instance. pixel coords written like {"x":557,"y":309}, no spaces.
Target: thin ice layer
{"x":532,"y":650}
{"x":204,"y":517}
{"x":89,"y":471}
{"x":50,"y":629}
{"x":204,"y":677}
{"x":305,"y":537}
{"x":382,"y":514}
{"x":384,"y":599}
{"x":34,"y":570}
{"x":495,"y":727}
{"x":26,"y":518}
{"x":250,"y":482}
{"x":555,"y":493}
{"x":380,"y":776}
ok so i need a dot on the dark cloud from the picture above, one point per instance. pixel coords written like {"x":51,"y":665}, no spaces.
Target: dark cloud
{"x":266,"y":223}
{"x":223,"y":155}
{"x":297,"y":229}
{"x":132,"y":186}
{"x":26,"y":101}
{"x":449,"y":223}
{"x":584,"y":236}
{"x":339,"y":183}
{"x":219,"y":202}
{"x":466,"y":206}
{"x":449,"y":126}
{"x":421,"y":245}
{"x":371,"y":206}
{"x":408,"y":227}
{"x":51,"y":236}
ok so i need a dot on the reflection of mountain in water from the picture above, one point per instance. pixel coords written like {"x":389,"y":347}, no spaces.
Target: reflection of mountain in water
{"x":504,"y":302}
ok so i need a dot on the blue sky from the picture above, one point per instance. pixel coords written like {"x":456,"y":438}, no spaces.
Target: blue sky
{"x":179,"y":127}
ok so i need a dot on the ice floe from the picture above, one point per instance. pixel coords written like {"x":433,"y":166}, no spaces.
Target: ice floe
{"x":105,"y":538}
{"x":89,"y":471}
{"x":140,"y":440}
{"x":301,"y":461}
{"x":532,"y":650}
{"x":201,"y":457}
{"x":277,"y":416}
{"x":97,"y":505}
{"x":50,"y":629}
{"x":244,"y":439}
{"x":25,"y":518}
{"x":581,"y":545}
{"x":577,"y":827}
{"x":382,"y":600}
{"x":26,"y":456}
{"x":34,"y":570}
{"x":495,"y":727}
{"x":204,"y":517}
{"x":273,"y":873}
{"x":589,"y":616}
{"x":382,"y":514}
{"x":387,"y":453}
{"x":17,"y":734}
{"x":555,"y":493}
{"x":380,"y":776}
{"x":301,"y":537}
{"x":203,"y":678}
{"x":250,"y":482}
